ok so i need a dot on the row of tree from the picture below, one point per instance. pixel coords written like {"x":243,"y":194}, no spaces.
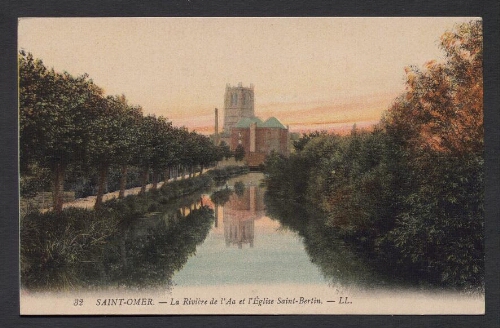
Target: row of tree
{"x":409,"y":193}
{"x":68,"y":123}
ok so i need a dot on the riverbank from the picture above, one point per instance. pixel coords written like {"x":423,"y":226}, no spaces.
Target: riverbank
{"x":89,"y":201}
{"x":57,"y":248}
{"x":44,"y":202}
{"x":410,"y":214}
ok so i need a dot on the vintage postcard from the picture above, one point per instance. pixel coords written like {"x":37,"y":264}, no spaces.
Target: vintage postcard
{"x":251,"y":166}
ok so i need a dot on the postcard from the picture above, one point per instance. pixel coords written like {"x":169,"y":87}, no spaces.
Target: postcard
{"x":179,"y":166}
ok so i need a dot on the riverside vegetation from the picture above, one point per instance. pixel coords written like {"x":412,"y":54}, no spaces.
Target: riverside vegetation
{"x":74,"y":139}
{"x":94,"y":248}
{"x":72,"y":136}
{"x":408,"y":195}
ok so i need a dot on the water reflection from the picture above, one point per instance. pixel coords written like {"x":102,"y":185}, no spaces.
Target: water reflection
{"x":232,"y":235}
{"x":237,"y":207}
{"x":344,"y":266}
{"x":240,"y":213}
{"x":245,"y":246}
{"x":148,"y":251}
{"x":337,"y":262}
{"x":240,"y":206}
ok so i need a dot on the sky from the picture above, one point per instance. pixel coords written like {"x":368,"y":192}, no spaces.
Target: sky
{"x":310,"y":73}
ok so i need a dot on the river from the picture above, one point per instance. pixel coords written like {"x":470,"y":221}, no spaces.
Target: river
{"x":245,"y":255}
{"x":245,"y":246}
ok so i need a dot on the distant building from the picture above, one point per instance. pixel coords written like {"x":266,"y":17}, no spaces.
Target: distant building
{"x":238,"y":103}
{"x":259,"y":139}
{"x":242,"y":127}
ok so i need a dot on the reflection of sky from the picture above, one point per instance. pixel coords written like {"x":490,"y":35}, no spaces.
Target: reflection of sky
{"x":277,"y":257}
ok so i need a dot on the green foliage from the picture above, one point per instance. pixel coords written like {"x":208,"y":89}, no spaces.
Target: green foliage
{"x":239,"y":188}
{"x":55,"y":110}
{"x":409,"y":194}
{"x":302,"y":142}
{"x":68,"y":126}
{"x":239,"y":153}
{"x":224,"y":151}
{"x":39,"y":180}
{"x":221,"y":197}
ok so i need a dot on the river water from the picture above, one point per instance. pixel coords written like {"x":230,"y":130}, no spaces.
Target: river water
{"x":245,"y":256}
{"x":245,"y":246}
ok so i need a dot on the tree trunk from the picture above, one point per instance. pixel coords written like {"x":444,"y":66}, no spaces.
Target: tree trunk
{"x":183,"y":173}
{"x":155,"y":179}
{"x":123,"y":181}
{"x":103,"y":177}
{"x":167,"y":175}
{"x":144,"y":180}
{"x":58,"y":187}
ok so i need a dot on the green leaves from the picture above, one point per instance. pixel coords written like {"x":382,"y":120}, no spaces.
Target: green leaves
{"x":410,"y":193}
{"x":67,"y":121}
{"x":239,"y":153}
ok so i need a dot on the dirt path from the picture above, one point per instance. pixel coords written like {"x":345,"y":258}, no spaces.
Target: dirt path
{"x":88,"y":202}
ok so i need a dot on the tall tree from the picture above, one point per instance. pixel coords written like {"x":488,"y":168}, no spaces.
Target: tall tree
{"x":54,"y":111}
{"x":112,"y":140}
{"x":442,"y":108}
{"x":438,"y":123}
{"x":128,"y":140}
{"x":163,"y":148}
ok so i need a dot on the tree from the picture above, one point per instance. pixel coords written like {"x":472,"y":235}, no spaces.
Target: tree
{"x":442,"y":108}
{"x":112,"y":140}
{"x":239,"y":153}
{"x":225,"y":151}
{"x":208,"y":152}
{"x":302,"y":142}
{"x":128,"y":140}
{"x":54,"y":109}
{"x":146,"y":144}
{"x":438,"y":124}
{"x":164,"y":150}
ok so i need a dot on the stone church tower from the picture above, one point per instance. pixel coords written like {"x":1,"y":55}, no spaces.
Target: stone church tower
{"x":238,"y":103}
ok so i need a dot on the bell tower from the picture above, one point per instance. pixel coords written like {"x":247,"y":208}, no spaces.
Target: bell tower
{"x":238,"y":103}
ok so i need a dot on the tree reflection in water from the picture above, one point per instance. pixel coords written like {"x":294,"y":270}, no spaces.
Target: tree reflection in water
{"x":338,"y":263}
{"x":148,"y":254}
{"x":142,"y":251}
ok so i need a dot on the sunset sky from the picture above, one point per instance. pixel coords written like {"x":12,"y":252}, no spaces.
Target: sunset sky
{"x":310,"y":73}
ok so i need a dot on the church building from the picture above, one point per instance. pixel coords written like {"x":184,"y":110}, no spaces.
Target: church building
{"x":241,"y":127}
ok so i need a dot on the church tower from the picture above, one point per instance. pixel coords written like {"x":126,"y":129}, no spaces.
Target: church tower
{"x":238,"y":103}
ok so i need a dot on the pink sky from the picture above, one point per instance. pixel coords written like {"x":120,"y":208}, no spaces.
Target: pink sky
{"x":307,"y":72}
